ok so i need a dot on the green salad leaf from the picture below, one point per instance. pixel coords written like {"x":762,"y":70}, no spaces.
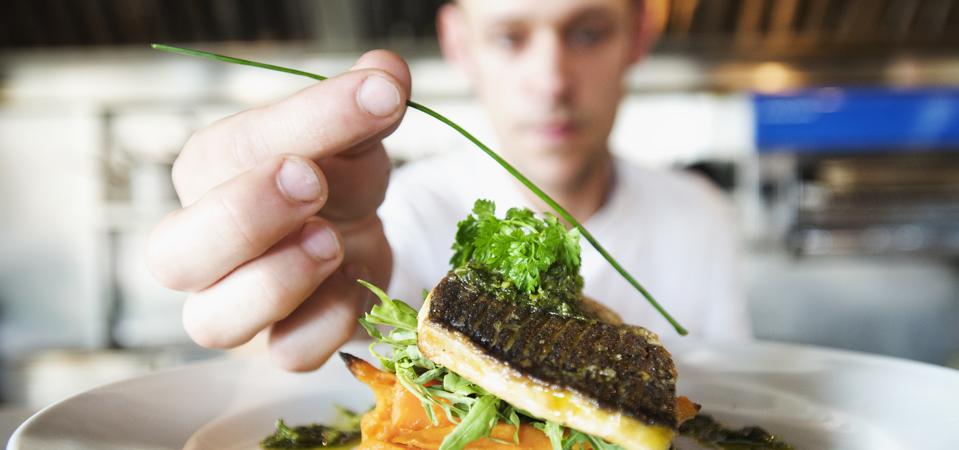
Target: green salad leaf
{"x":477,"y":424}
{"x":554,"y":432}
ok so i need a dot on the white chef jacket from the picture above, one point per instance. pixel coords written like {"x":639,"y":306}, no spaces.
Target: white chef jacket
{"x":672,"y":231}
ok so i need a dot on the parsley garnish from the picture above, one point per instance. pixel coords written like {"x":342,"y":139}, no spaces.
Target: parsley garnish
{"x":520,"y":246}
{"x":519,"y":258}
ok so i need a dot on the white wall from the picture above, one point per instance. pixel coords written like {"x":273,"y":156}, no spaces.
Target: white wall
{"x":50,"y":264}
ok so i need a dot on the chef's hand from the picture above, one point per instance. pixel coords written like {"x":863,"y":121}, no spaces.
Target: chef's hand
{"x":279,"y":216}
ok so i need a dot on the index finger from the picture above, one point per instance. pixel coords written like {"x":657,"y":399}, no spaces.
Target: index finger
{"x":319,"y":121}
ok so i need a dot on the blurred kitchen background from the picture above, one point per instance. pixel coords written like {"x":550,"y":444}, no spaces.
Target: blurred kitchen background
{"x":832,"y":124}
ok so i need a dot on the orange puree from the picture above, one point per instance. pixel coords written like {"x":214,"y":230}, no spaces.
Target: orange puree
{"x":398,"y":422}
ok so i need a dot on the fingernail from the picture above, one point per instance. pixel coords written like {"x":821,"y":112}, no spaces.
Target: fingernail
{"x":378,"y":96}
{"x":319,"y":242}
{"x":298,"y":181}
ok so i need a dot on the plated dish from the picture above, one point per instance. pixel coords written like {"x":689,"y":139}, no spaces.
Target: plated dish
{"x":507,"y":354}
{"x":814,"y":398}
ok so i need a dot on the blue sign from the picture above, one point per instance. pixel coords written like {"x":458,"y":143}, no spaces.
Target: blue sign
{"x":857,"y":120}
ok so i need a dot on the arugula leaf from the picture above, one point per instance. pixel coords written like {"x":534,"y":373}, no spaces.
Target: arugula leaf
{"x":477,"y":424}
{"x":511,"y":417}
{"x":577,"y":440}
{"x":554,"y":432}
{"x":390,"y":312}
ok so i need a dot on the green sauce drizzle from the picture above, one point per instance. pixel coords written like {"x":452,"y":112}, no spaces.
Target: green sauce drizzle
{"x":308,"y":437}
{"x":708,"y":431}
{"x":314,"y":436}
{"x":559,"y":291}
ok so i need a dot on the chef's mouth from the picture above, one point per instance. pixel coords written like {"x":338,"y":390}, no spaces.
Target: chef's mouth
{"x":554,"y":130}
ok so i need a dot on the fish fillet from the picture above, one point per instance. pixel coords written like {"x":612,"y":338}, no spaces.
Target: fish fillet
{"x":610,"y":380}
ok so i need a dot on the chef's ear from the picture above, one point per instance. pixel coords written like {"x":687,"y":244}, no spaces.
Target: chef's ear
{"x":451,"y":27}
{"x":648,"y":19}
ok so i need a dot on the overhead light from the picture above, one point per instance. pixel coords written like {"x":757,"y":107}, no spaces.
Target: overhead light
{"x":771,"y":77}
{"x":904,"y":72}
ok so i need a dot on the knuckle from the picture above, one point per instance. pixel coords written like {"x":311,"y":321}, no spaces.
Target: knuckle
{"x":177,"y":176}
{"x":312,"y":123}
{"x":329,"y":127}
{"x":161,"y":264}
{"x":158,"y":267}
{"x":277,"y":299}
{"x":237,"y":228}
{"x":184,"y":164}
{"x":248,"y":147}
{"x":204,"y":333}
{"x":167,"y":276}
{"x":193,"y":141}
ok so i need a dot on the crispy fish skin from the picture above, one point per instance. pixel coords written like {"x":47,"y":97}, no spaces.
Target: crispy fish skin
{"x":613,"y":381}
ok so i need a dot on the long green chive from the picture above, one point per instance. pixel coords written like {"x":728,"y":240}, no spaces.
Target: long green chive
{"x":509,"y":168}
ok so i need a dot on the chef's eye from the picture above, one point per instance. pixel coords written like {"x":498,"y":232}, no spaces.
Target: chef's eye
{"x":508,"y":39}
{"x":586,"y":36}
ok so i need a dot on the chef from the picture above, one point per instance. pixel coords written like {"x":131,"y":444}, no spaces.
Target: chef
{"x":287,"y":204}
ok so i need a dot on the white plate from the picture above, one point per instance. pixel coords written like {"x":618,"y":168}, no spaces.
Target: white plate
{"x":814,"y":398}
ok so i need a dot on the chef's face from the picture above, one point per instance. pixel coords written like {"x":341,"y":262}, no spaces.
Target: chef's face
{"x":549,"y":72}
